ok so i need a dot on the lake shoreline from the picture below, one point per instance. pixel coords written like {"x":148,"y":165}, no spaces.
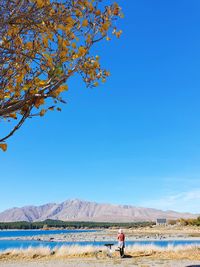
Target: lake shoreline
{"x":110,"y":235}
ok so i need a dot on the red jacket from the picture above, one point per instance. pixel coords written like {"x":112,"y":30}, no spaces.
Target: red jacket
{"x":121,"y":237}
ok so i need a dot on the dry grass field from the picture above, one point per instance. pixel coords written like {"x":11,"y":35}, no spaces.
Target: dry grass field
{"x":150,"y":251}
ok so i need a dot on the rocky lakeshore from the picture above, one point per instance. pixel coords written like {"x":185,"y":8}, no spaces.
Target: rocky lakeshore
{"x":155,"y":233}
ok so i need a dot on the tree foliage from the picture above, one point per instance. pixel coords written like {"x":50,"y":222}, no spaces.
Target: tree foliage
{"x":77,"y":225}
{"x":42,"y":44}
{"x":194,"y":222}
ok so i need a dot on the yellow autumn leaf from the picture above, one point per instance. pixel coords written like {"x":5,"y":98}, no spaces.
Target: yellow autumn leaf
{"x":89,"y":40}
{"x":78,"y":13}
{"x":6,"y":95}
{"x":74,"y":45}
{"x":118,"y":34}
{"x":3,"y":146}
{"x":39,"y":102}
{"x":82,"y":51}
{"x":116,"y":10}
{"x":42,"y":112}
{"x":25,"y":87}
{"x":63,"y":87}
{"x":98,"y":12}
{"x":85,"y":23}
{"x":50,"y":62}
{"x":63,"y":54}
{"x":45,"y":41}
{"x":106,"y":26}
{"x":19,"y":79}
{"x":66,"y":43}
{"x":69,"y":22}
{"x":96,"y":64}
{"x":29,"y":45}
{"x":13,"y":115}
{"x":42,"y":83}
{"x":62,"y":27}
{"x":40,"y":3}
{"x":107,"y":73}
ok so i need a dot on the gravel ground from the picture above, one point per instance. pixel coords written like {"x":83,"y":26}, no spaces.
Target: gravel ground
{"x":102,"y":263}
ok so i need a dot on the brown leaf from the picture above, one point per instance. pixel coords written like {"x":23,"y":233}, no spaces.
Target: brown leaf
{"x":3,"y":146}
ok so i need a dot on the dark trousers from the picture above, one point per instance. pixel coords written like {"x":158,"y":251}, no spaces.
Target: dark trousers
{"x":121,"y":251}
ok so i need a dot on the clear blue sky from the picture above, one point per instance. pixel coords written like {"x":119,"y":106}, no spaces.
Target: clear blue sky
{"x":134,"y":140}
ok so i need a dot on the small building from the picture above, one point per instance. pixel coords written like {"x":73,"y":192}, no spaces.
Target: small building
{"x":161,"y":222}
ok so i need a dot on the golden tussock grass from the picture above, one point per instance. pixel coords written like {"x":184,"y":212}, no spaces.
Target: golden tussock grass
{"x":189,"y":252}
{"x":137,"y":251}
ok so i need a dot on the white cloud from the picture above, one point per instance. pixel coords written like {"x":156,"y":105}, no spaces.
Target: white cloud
{"x":183,"y":201}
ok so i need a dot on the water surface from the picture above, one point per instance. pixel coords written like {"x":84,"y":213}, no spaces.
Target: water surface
{"x":24,"y":233}
{"x":13,"y":244}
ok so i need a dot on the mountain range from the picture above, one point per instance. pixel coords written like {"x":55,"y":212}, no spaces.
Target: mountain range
{"x":79,"y":210}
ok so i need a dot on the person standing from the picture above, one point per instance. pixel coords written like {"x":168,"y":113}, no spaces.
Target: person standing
{"x":121,"y":242}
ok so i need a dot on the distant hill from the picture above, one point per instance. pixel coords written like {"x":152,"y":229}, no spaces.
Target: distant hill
{"x":78,"y":210}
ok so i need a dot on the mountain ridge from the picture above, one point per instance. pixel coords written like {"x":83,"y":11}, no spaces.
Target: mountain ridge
{"x":81,"y":210}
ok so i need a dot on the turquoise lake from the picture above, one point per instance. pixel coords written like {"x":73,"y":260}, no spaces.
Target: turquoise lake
{"x":19,"y":233}
{"x":11,"y":244}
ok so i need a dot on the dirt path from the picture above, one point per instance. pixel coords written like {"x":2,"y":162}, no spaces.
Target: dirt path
{"x":101,"y":263}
